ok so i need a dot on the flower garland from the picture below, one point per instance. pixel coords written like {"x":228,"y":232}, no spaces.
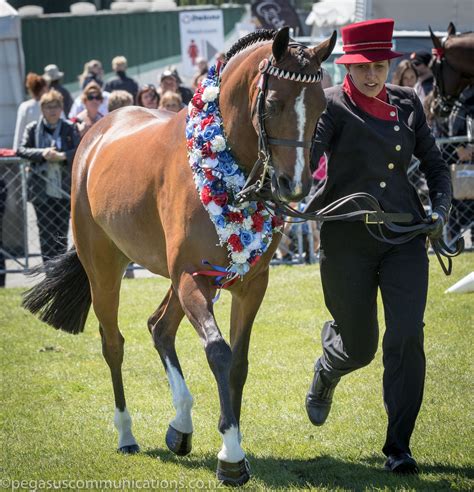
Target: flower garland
{"x":247,"y":228}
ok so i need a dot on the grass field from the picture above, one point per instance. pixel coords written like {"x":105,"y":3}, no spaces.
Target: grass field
{"x":57,"y":404}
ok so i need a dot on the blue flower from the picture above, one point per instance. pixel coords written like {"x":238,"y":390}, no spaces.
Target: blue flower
{"x":246,"y":238}
{"x":198,"y":141}
{"x":219,"y":220}
{"x":240,"y":268}
{"x":226,"y":157}
{"x":217,"y":186}
{"x":189,"y":131}
{"x":210,"y":132}
{"x":211,"y":108}
{"x":228,"y":168}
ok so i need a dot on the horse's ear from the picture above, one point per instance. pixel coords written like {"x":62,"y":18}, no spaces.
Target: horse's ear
{"x":324,"y":49}
{"x":435,"y":39}
{"x":280,"y":43}
{"x":451,"y":29}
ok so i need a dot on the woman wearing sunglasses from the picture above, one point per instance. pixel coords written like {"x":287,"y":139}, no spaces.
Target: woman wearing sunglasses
{"x":92,"y":99}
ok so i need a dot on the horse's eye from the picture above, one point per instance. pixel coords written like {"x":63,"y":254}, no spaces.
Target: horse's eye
{"x":272,"y":106}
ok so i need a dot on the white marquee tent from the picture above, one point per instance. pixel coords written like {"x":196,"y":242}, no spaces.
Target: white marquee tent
{"x":12,"y":68}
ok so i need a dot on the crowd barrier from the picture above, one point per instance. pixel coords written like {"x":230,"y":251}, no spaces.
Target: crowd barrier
{"x":20,"y":242}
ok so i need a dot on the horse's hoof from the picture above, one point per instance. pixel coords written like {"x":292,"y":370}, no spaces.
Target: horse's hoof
{"x":233,"y":474}
{"x":133,"y":449}
{"x":178,"y":442}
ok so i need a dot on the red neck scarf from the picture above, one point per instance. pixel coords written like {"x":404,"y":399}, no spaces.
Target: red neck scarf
{"x":375,"y":106}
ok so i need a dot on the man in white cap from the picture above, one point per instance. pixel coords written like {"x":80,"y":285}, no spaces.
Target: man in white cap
{"x":53,"y":76}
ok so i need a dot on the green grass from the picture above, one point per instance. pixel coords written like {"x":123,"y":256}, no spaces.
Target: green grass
{"x":57,"y":404}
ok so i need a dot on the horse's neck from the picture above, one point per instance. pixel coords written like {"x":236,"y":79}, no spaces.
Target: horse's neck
{"x":238,"y":86}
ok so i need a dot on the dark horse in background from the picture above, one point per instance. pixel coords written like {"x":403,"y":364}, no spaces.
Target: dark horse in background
{"x":134,"y":199}
{"x":453,"y":68}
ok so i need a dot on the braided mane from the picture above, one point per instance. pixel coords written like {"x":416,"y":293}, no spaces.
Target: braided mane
{"x":248,"y":40}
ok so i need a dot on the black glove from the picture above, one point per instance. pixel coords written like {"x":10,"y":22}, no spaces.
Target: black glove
{"x":435,"y":230}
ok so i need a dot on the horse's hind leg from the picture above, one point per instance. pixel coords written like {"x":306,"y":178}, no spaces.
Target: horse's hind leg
{"x":105,"y":265}
{"x":163,"y":325}
{"x":196,"y":296}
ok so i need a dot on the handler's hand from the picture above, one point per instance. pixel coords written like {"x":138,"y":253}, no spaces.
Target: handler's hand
{"x":435,"y":230}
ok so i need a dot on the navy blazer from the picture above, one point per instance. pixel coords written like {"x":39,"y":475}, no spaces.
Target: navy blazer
{"x":372,"y":155}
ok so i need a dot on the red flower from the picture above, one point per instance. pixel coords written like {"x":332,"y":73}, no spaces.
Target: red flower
{"x":257,"y":222}
{"x":235,"y":243}
{"x":260,"y":206}
{"x":194,"y":112}
{"x":235,"y":217}
{"x":207,"y":152}
{"x":277,"y":221}
{"x":209,"y":120}
{"x":221,"y":199}
{"x":206,"y":195}
{"x":208,"y":174}
{"x":190,"y":143}
{"x":197,"y":101}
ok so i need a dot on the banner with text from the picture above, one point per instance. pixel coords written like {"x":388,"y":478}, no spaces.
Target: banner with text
{"x":202,"y":36}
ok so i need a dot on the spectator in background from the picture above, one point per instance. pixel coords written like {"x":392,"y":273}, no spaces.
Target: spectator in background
{"x":121,"y":82}
{"x":50,"y":144}
{"x":53,"y":76}
{"x":202,"y":68}
{"x":92,"y":99}
{"x":93,"y":72}
{"x":119,"y":99}
{"x":460,"y":124}
{"x":171,"y":101}
{"x":170,"y":81}
{"x":424,"y":85}
{"x":148,"y":97}
{"x":405,"y":74}
{"x":29,"y":111}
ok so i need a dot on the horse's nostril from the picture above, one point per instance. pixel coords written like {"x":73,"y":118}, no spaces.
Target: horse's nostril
{"x":284,"y":183}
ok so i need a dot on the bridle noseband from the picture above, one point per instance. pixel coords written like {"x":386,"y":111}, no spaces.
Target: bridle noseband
{"x":446,"y":102}
{"x":260,"y":189}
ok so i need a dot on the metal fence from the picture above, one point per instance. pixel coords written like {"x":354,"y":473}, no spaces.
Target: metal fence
{"x":31,"y":229}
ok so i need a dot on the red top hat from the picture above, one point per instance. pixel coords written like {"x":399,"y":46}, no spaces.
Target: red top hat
{"x":368,"y":41}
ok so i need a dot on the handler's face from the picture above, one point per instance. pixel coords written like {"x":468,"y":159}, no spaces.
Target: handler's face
{"x":369,"y":78}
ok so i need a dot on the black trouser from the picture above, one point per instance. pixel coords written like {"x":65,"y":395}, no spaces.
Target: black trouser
{"x":52,"y":215}
{"x":353,"y":266}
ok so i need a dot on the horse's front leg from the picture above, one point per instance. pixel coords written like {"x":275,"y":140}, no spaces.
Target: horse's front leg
{"x":196,"y":296}
{"x":245,"y":304}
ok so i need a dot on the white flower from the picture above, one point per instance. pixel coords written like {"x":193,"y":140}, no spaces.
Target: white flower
{"x":195,"y":155}
{"x":218,"y":143}
{"x":241,"y":257}
{"x":210,"y":94}
{"x":214,"y":209}
{"x":247,"y":223}
{"x":210,"y":163}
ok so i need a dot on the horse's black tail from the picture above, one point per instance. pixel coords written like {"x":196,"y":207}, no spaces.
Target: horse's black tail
{"x":63,"y":298}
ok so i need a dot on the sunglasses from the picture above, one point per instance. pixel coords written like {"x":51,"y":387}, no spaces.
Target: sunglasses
{"x":91,"y":97}
{"x":148,"y":87}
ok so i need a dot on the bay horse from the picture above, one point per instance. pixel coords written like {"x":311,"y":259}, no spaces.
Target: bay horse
{"x":453,"y":67}
{"x":134,"y":199}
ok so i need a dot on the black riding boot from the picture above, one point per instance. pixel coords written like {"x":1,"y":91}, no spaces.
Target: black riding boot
{"x":319,"y":397}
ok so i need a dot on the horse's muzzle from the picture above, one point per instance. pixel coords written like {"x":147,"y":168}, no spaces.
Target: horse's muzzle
{"x":288,"y":190}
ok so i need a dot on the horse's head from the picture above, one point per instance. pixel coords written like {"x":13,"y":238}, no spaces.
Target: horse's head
{"x":286,"y":105}
{"x":289,"y":102}
{"x":452,"y":68}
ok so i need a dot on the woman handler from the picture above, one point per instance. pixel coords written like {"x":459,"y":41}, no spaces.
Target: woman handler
{"x":369,"y":132}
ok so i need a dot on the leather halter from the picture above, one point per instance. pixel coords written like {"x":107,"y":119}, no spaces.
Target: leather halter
{"x":268,"y":69}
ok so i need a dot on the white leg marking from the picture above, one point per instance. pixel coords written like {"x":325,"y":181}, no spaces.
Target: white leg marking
{"x":123,"y":423}
{"x":231,"y":450}
{"x":182,"y":400}
{"x":300,"y":110}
